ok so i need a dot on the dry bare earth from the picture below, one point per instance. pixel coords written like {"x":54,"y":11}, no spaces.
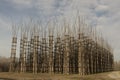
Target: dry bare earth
{"x":29,"y":76}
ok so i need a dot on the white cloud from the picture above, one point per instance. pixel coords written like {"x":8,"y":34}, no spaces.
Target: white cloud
{"x":105,"y":12}
{"x":21,"y":4}
{"x":45,"y":6}
{"x":102,"y":10}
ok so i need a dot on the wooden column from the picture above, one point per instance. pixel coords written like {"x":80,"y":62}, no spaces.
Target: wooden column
{"x":35,"y":54}
{"x":66,"y":55}
{"x":51,"y":64}
{"x":24,"y":53}
{"x":13,"y":54}
{"x":28,"y":57}
{"x":80,"y":52}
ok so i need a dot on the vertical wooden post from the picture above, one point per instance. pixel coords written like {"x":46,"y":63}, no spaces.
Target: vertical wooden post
{"x":35,"y":54}
{"x":13,"y":54}
{"x":80,"y":52}
{"x":51,"y":54}
{"x":28,"y":57}
{"x":21,"y":54}
{"x":13,"y":49}
{"x":24,"y":53}
{"x":66,"y":55}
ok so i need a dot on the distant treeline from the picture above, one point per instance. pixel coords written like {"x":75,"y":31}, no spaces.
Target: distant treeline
{"x":4,"y":64}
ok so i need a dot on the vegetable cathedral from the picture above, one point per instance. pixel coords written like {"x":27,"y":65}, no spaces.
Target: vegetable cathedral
{"x":63,"y":48}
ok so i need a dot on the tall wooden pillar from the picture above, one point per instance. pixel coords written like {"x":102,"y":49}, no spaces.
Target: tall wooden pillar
{"x":21,"y":55}
{"x":44,"y":56}
{"x":35,"y":54}
{"x":51,"y":54}
{"x":13,"y":54}
{"x":28,"y":57}
{"x":23,"y":51}
{"x":66,"y":55}
{"x":91,"y":56}
{"x":24,"y":55}
{"x":97,"y":53}
{"x":80,"y":52}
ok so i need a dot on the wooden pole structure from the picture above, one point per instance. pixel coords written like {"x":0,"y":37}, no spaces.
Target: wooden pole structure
{"x":51,"y":59}
{"x":68,"y":49}
{"x":13,"y":49}
{"x":23,"y":48}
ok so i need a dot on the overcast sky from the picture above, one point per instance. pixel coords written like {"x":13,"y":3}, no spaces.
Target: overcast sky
{"x":104,"y":13}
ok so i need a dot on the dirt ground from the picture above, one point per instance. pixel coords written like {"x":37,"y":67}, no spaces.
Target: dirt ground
{"x":115,"y":75}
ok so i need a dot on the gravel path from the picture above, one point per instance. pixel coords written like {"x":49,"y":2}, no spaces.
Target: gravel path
{"x":114,"y":75}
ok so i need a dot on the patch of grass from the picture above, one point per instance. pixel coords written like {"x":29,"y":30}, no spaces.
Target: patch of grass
{"x":45,"y":76}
